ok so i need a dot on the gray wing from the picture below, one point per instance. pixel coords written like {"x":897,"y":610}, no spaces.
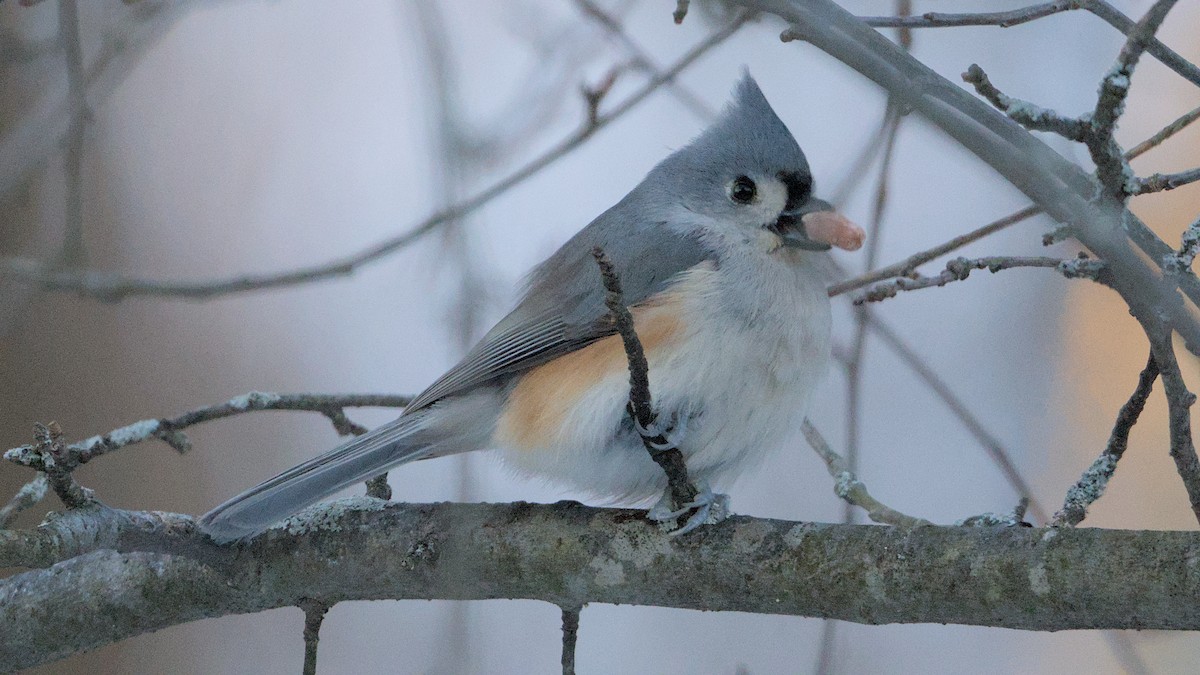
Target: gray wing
{"x":563,"y":308}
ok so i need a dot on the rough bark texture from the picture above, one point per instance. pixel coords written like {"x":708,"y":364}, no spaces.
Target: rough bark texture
{"x":130,"y":573}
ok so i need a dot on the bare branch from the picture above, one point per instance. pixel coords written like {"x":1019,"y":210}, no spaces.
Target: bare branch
{"x":946,"y":20}
{"x":1168,"y":181}
{"x":959,"y":269}
{"x":849,"y":488}
{"x":27,"y":497}
{"x":1180,"y":262}
{"x":640,"y":60}
{"x":1028,"y":115}
{"x":47,"y":121}
{"x":1092,"y":483}
{"x":570,"y":634}
{"x":114,"y":287}
{"x":314,"y":615}
{"x":1160,"y":51}
{"x":55,"y":463}
{"x":73,"y":251}
{"x":1179,"y":403}
{"x":155,"y":570}
{"x":169,"y":429}
{"x":1165,"y":133}
{"x":1111,"y":168}
{"x":1099,"y":8}
{"x":909,"y":265}
{"x":995,"y":450}
{"x":1060,"y":187}
{"x":641,"y":409}
{"x":681,"y":10}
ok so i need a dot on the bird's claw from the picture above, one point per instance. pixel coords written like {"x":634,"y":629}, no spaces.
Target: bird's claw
{"x":707,"y":508}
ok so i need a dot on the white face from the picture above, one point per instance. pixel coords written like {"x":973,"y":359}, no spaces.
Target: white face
{"x":751,"y":203}
{"x":763,"y":208}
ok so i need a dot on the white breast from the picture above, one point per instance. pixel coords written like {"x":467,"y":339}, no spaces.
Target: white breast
{"x":751,"y":346}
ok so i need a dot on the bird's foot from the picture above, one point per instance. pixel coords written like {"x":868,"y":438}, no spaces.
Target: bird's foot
{"x":707,"y":508}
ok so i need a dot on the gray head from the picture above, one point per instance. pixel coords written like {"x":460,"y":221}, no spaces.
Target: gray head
{"x":745,"y":171}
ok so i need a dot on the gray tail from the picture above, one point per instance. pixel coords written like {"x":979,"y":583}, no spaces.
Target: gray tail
{"x":356,"y":460}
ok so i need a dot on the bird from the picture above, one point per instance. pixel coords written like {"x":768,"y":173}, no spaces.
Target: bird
{"x":718,"y":251}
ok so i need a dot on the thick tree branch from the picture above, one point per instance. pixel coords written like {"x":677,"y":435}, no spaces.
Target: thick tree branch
{"x":156,"y":571}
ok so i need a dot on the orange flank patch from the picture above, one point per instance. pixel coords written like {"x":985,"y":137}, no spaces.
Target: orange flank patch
{"x":542,"y":401}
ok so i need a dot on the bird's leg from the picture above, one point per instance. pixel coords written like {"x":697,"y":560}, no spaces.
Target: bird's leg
{"x":707,"y":508}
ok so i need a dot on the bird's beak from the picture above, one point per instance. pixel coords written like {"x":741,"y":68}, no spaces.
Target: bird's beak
{"x":790,"y":226}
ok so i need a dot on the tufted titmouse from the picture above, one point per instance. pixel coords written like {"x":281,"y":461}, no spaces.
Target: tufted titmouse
{"x":716,"y":250}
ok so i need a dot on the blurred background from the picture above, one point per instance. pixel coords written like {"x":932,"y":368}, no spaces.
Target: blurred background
{"x":248,"y":136}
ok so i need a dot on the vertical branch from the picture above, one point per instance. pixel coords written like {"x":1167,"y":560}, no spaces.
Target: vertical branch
{"x":314,"y":616}
{"x":641,"y":409}
{"x":73,"y":252}
{"x":854,"y":365}
{"x":570,"y":634}
{"x":1179,"y":403}
{"x":1094,"y":480}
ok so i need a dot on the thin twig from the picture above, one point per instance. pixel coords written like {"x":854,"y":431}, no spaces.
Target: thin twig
{"x":909,"y":265}
{"x":1167,"y":56}
{"x":112,"y":287}
{"x":169,"y":429}
{"x":1025,"y":113}
{"x":55,"y":464}
{"x":314,"y":616}
{"x":854,"y":369}
{"x":681,"y":10}
{"x":27,"y":497}
{"x":1160,"y":182}
{"x":1092,"y":483}
{"x":1101,"y":9}
{"x":849,"y":488}
{"x":959,"y":269}
{"x":1014,"y":518}
{"x":1180,"y":262}
{"x":1111,"y":167}
{"x":641,"y":408}
{"x":999,"y":455}
{"x":570,"y":635}
{"x":73,"y":251}
{"x":1179,"y":403}
{"x":889,"y":129}
{"x":640,"y":60}
{"x":1006,"y":19}
{"x":46,"y":121}
{"x":1165,"y":133}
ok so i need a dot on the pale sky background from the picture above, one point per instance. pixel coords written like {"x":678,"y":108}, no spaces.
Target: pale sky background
{"x":258,"y":136}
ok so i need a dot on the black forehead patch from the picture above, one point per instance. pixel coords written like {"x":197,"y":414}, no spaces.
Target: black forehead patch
{"x":799,"y":188}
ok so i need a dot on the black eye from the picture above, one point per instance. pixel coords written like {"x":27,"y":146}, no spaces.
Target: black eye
{"x":742,"y":190}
